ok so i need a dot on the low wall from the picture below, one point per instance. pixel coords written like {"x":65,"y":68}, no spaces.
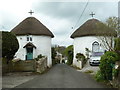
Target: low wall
{"x":41,"y":65}
{"x":24,"y":66}
{"x":28,"y":65}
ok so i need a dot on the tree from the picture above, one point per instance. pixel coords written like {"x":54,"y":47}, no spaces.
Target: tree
{"x":117,"y":45}
{"x":10,"y":45}
{"x":69,"y":53}
{"x":112,"y":22}
{"x":107,"y":40}
{"x":53,"y":56}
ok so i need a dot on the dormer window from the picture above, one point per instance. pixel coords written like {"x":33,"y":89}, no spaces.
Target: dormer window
{"x":29,"y":38}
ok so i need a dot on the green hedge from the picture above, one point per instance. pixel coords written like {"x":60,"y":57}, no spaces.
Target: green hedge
{"x":107,"y":63}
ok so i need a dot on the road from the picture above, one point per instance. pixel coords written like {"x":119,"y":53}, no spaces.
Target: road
{"x":62,"y":76}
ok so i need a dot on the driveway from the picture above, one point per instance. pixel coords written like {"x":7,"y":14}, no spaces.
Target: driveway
{"x":87,"y":68}
{"x":62,"y":76}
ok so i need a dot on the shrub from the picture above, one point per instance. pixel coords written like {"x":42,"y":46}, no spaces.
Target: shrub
{"x":99,"y":76}
{"x":117,"y":45}
{"x":115,"y":72}
{"x":107,"y":63}
{"x":39,"y":57}
{"x":10,"y":45}
{"x":80,"y":56}
{"x":53,"y":56}
{"x":70,"y":57}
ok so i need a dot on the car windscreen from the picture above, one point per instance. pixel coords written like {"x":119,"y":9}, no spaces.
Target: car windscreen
{"x":97,"y":54}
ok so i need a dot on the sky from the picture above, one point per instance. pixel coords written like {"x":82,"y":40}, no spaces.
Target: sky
{"x":61,"y":17}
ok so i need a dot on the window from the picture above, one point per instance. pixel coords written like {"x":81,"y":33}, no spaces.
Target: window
{"x":29,"y":38}
{"x":95,"y":47}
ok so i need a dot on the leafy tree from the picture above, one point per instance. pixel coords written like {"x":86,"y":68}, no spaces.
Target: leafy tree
{"x":53,"y":56}
{"x":69,"y":53}
{"x":117,"y":45}
{"x":10,"y":45}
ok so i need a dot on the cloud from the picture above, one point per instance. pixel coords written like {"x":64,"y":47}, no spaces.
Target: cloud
{"x":59,"y":9}
{"x":59,"y":17}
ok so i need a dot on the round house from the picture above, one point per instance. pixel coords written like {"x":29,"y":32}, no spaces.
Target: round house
{"x":34,"y":39}
{"x":88,"y":38}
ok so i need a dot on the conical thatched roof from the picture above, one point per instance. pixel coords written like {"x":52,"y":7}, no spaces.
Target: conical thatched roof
{"x":31,"y":26}
{"x":93,"y":27}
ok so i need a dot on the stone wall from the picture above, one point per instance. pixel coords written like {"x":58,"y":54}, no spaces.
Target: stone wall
{"x":25,"y":66}
{"x":19,"y":66}
{"x":41,"y":65}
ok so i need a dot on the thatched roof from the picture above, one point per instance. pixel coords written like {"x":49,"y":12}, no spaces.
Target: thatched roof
{"x":31,"y":26}
{"x":93,"y":27}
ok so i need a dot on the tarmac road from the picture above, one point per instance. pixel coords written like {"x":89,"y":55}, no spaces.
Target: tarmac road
{"x":62,"y":76}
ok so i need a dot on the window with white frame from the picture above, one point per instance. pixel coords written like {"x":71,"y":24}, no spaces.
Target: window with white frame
{"x":95,"y":46}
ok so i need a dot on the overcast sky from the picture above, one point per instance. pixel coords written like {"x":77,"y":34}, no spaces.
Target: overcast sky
{"x":59,"y":17}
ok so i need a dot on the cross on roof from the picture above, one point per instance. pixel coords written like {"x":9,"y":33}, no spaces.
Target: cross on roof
{"x":92,"y":14}
{"x":31,"y":12}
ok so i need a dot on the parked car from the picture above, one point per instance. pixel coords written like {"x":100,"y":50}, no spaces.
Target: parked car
{"x":95,"y":58}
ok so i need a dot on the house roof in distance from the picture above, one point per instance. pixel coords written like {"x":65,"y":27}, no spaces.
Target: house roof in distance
{"x":31,"y":26}
{"x":93,"y":27}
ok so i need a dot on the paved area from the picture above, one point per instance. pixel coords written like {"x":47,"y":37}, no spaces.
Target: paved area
{"x":87,"y":67}
{"x":62,"y":76}
{"x":11,"y":80}
{"x":0,"y":74}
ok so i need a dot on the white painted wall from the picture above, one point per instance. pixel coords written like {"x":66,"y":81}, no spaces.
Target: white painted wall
{"x":80,"y":43}
{"x":43,"y":46}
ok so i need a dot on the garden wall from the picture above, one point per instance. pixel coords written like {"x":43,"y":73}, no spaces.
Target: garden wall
{"x":24,"y":66}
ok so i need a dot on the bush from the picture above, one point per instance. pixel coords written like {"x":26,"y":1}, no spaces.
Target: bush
{"x":10,"y":45}
{"x":53,"y":56}
{"x":117,"y":45}
{"x":70,"y":57}
{"x":39,"y":57}
{"x":99,"y":76}
{"x":107,"y":63}
{"x":80,"y":56}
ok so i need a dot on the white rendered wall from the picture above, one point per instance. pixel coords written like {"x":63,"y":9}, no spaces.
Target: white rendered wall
{"x":42,"y":43}
{"x":80,"y":43}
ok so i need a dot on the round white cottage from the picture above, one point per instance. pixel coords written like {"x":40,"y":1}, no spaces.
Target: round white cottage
{"x":88,"y":37}
{"x":34,"y":39}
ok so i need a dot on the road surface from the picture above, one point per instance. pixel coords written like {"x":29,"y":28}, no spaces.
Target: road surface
{"x":62,"y":76}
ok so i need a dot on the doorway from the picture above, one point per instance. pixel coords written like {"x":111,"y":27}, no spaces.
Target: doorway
{"x":29,"y":55}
